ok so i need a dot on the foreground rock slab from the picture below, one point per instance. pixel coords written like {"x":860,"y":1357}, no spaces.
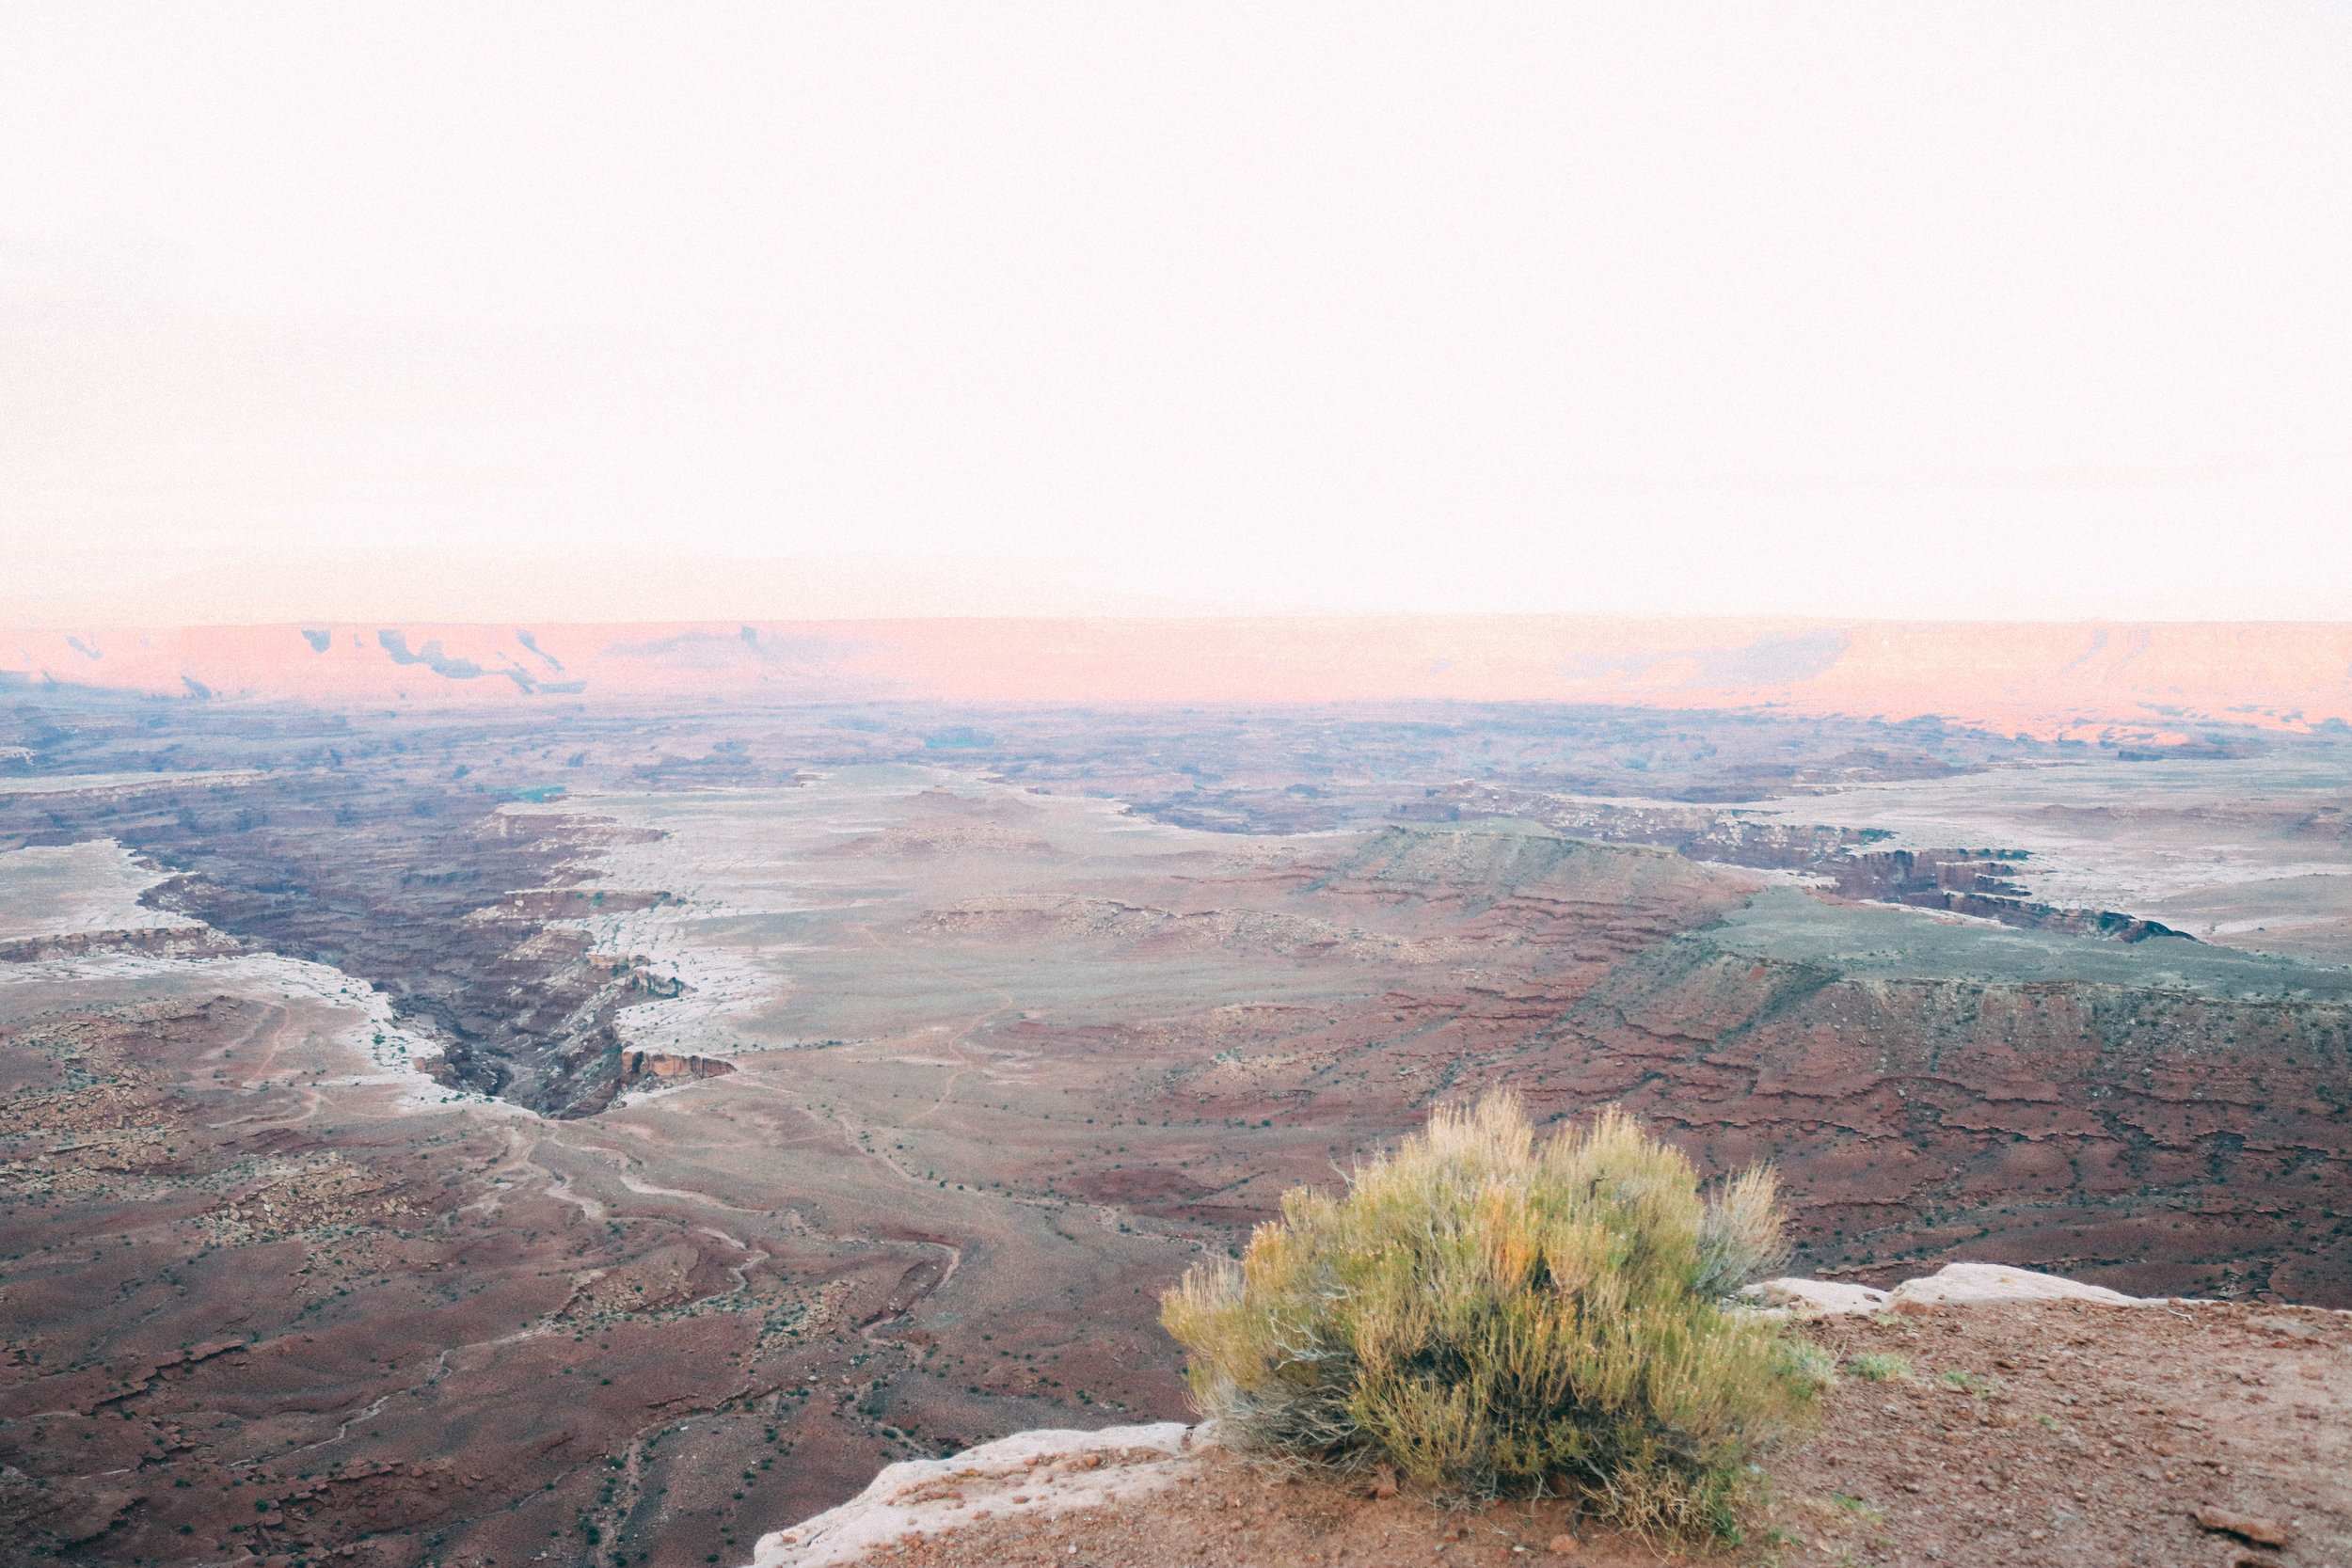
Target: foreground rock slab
{"x":1957,"y":1284}
{"x":1031,"y":1476}
{"x":1953,"y":1284}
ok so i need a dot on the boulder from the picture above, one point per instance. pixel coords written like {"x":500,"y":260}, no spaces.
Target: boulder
{"x":1957,"y":1283}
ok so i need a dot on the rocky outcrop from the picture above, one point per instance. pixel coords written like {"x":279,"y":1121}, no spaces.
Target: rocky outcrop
{"x":1031,"y":1475}
{"x":638,"y":1066}
{"x":1976,"y":882}
{"x":155,"y":941}
{"x":1954,"y":1284}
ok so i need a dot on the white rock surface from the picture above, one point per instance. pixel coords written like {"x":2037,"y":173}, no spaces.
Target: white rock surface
{"x":1816,"y":1298}
{"x":1956,"y":1283}
{"x":1039,"y":1474}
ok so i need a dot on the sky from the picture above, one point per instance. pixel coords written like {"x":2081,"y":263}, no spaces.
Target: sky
{"x":588,"y":311}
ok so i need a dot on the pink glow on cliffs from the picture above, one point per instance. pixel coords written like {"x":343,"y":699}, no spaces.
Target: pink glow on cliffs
{"x":2044,"y":679}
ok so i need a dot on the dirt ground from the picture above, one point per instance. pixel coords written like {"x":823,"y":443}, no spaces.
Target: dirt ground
{"x":2031,"y":1433}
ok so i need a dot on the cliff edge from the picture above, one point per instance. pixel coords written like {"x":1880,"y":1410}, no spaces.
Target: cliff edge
{"x":1983,"y":1414}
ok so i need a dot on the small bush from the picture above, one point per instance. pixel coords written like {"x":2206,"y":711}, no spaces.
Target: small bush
{"x":1490,"y":1315}
{"x":1877,"y":1366}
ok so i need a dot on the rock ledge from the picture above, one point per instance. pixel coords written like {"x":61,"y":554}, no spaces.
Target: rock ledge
{"x":1953,"y":1284}
{"x":1044,"y":1473}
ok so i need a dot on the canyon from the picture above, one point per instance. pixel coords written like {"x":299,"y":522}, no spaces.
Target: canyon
{"x":608,"y":1133}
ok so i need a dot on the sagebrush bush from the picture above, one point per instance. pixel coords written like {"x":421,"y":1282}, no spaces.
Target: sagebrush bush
{"x":1488,"y":1314}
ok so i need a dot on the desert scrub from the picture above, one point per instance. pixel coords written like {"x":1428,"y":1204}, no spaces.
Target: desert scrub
{"x":1878,"y":1367}
{"x":1489,"y":1314}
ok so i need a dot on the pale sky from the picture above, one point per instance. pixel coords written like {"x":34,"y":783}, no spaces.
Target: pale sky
{"x":1970,"y":309}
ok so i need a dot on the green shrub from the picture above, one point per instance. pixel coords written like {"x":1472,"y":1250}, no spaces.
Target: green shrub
{"x":1878,"y":1367}
{"x":1492,"y":1315}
